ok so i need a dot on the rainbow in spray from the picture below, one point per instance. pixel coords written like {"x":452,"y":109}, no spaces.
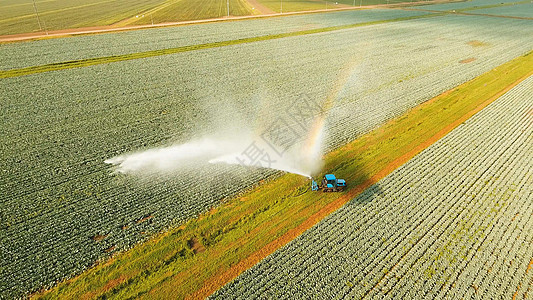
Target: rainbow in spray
{"x":304,"y":158}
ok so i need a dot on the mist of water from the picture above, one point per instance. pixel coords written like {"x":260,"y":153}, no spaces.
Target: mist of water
{"x":167,"y":159}
{"x":300,"y":159}
{"x":303,"y":158}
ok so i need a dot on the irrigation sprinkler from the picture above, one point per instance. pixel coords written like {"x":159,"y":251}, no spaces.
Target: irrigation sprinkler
{"x":227,"y":4}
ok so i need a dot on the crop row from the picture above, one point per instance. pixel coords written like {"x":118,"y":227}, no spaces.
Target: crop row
{"x":59,"y":127}
{"x":91,"y":46}
{"x":524,"y":10}
{"x":466,"y":5}
{"x":455,"y":221}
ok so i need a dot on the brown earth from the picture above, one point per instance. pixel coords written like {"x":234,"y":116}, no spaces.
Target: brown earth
{"x":98,"y":237}
{"x":195,"y":246}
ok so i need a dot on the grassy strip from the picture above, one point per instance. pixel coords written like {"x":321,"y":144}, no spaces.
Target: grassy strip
{"x":124,"y":57}
{"x":205,"y":253}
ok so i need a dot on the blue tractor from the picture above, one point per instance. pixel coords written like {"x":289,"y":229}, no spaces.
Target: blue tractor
{"x":329,"y":184}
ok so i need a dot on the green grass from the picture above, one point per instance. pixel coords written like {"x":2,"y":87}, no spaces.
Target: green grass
{"x":166,"y":267}
{"x":138,"y":55}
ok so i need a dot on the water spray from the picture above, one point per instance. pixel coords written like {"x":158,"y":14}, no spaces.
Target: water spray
{"x":303,"y":158}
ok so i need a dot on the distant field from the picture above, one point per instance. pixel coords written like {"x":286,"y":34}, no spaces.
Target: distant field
{"x":473,"y":5}
{"x":184,"y":10}
{"x":19,"y":16}
{"x":240,"y":230}
{"x":524,"y":10}
{"x":302,"y":5}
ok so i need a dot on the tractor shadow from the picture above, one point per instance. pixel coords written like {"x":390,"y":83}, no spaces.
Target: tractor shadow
{"x":358,"y":177}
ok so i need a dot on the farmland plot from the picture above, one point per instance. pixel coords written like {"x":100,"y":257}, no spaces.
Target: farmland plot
{"x":454,"y":222}
{"x":468,"y":5}
{"x":519,"y":10}
{"x":82,"y":47}
{"x":19,"y":16}
{"x":61,"y":210}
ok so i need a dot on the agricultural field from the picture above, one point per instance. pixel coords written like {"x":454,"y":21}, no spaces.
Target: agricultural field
{"x":456,"y":221}
{"x":305,"y":5}
{"x":524,"y":10}
{"x":185,"y":10}
{"x":18,"y":17}
{"x":63,"y":208}
{"x":472,"y":5}
{"x":50,"y":51}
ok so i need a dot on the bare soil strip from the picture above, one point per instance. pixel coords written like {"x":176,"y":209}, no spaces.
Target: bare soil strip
{"x":220,"y":280}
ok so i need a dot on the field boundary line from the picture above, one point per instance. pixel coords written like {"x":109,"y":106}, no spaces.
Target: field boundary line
{"x":152,"y":53}
{"x":220,"y":280}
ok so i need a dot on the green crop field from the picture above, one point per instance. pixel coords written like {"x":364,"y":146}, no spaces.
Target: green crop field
{"x":20,"y":16}
{"x":111,"y":147}
{"x":185,"y":10}
{"x":243,"y":227}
